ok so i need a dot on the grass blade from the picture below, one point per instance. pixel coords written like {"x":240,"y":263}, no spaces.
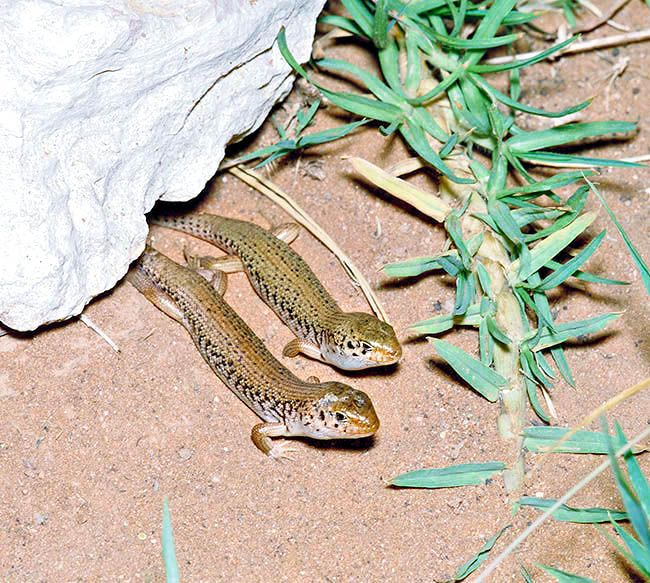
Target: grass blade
{"x":590,"y":277}
{"x":641,"y":265}
{"x":550,"y":247}
{"x":570,"y":267}
{"x":438,"y":324}
{"x":563,"y":366}
{"x":480,"y":377}
{"x":639,"y":483}
{"x":168,"y":549}
{"x":540,"y":439}
{"x":630,"y":499}
{"x":412,"y":267}
{"x":569,"y":161}
{"x":541,"y":139}
{"x":372,"y":83}
{"x":568,"y":514}
{"x":569,"y":330}
{"x":330,"y":135}
{"x":555,"y":181}
{"x":449,"y":477}
{"x":564,"y":577}
{"x":476,"y":561}
{"x":524,"y":62}
{"x":414,"y":136}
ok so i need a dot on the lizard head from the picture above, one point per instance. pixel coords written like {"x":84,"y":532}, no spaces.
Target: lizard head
{"x":359,"y":340}
{"x":340,"y":413}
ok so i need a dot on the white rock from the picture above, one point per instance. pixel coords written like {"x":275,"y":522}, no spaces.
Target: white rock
{"x":106,"y":107}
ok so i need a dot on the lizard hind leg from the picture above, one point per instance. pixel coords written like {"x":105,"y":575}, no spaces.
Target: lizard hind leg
{"x":225,"y":263}
{"x":205,"y":267}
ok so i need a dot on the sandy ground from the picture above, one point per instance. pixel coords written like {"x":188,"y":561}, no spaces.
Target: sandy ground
{"x":91,"y":441}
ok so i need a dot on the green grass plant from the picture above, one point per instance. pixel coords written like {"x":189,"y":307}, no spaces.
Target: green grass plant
{"x":511,"y":237}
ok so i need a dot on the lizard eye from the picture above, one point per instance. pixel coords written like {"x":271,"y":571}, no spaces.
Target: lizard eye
{"x":340,"y":417}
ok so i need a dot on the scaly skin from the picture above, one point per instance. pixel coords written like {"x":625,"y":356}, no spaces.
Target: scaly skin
{"x":288,"y":405}
{"x":349,"y":340}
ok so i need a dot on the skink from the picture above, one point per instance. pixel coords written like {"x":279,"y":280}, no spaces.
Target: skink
{"x":287,"y":405}
{"x":348,"y":340}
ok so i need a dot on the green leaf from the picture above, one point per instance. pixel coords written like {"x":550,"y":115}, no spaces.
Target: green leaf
{"x":564,"y":577}
{"x":563,"y":366}
{"x":520,"y":64}
{"x":639,"y":483}
{"x":588,"y":276}
{"x":638,"y":553}
{"x":500,"y":214}
{"x":465,"y":292}
{"x":555,"y":181}
{"x":568,"y":514}
{"x":538,"y":140}
{"x":413,"y":267}
{"x":495,"y":331}
{"x":484,"y":279}
{"x":570,"y":267}
{"x":361,"y":15}
{"x":445,"y":322}
{"x":630,"y":499}
{"x":513,"y":104}
{"x":449,"y":477}
{"x":329,"y":135}
{"x":539,"y":439}
{"x":413,"y":75}
{"x":485,"y":343}
{"x":537,"y":373}
{"x":304,"y":119}
{"x":476,"y":561}
{"x":354,"y":103}
{"x":380,"y":27}
{"x":372,"y":83}
{"x":342,"y":23}
{"x":452,"y":225}
{"x":530,"y":214}
{"x":531,"y":390}
{"x":470,"y":43}
{"x":525,"y":574}
{"x":550,"y":247}
{"x":568,"y":330}
{"x":480,"y":377}
{"x":641,"y":265}
{"x":569,"y":161}
{"x":168,"y":549}
{"x":415,"y":138}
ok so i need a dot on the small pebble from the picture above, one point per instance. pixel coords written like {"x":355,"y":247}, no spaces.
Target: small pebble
{"x":41,"y":518}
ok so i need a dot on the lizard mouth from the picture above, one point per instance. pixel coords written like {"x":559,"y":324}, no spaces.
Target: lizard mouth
{"x":358,"y":431}
{"x":386,"y":355}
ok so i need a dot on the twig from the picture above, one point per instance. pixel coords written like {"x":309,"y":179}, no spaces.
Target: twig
{"x":571,"y":492}
{"x":602,"y":20}
{"x":580,"y":47}
{"x":88,"y":322}
{"x":644,"y":158}
{"x":282,"y":199}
